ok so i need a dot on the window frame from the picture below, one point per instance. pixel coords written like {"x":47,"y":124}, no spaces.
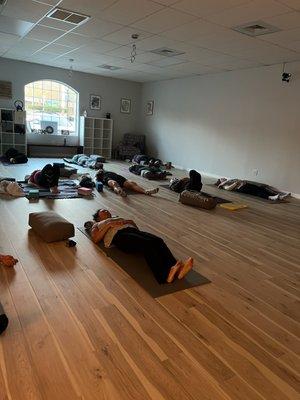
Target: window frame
{"x":76,"y":117}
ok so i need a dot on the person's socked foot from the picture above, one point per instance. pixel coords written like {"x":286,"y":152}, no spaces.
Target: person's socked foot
{"x":173,"y":271}
{"x":186,"y":267}
{"x":149,"y":192}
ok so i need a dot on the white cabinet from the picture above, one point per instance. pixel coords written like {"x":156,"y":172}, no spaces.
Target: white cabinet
{"x":12,"y":130}
{"x":96,"y":136}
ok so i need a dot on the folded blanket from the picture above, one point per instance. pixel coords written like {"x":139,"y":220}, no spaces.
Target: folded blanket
{"x":11,"y":188}
{"x":93,"y":161}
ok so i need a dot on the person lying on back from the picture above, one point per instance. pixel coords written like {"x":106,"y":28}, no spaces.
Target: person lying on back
{"x":126,"y":236}
{"x":119,"y":183}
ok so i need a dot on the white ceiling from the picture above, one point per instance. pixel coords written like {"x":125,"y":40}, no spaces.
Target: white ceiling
{"x":199,"y":28}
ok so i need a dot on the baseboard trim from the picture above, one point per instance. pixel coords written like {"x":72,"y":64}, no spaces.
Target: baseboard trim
{"x":296,"y":195}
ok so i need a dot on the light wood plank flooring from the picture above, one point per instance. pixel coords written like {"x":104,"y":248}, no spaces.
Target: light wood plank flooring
{"x":80,"y":328}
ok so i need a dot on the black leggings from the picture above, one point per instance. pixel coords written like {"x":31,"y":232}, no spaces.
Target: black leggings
{"x":154,"y":249}
{"x":256,"y":190}
{"x":193,"y":183}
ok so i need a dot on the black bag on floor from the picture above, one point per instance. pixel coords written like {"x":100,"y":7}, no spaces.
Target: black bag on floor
{"x":15,"y":157}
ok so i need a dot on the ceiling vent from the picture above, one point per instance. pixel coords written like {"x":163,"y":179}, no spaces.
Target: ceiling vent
{"x":256,"y":28}
{"x":109,"y":67}
{"x":167,"y":52}
{"x":68,"y":16}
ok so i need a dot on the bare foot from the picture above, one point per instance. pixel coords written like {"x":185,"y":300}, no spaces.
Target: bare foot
{"x":173,"y":271}
{"x":186,"y":267}
{"x":121,"y":192}
{"x":55,"y":191}
{"x":151,"y":191}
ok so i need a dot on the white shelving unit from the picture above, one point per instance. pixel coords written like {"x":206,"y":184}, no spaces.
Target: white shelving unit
{"x":12,"y":130}
{"x":96,"y":136}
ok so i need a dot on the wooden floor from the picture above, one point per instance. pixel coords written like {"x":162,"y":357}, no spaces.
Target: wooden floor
{"x":80,"y":328}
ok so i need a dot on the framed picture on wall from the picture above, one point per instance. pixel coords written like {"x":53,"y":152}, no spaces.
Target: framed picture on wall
{"x":95,"y":102}
{"x":150,"y":107}
{"x":5,"y":89}
{"x":125,"y":106}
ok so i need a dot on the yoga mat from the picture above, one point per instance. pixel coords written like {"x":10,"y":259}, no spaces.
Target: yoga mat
{"x":67,"y":187}
{"x":219,"y":200}
{"x":136,"y":267}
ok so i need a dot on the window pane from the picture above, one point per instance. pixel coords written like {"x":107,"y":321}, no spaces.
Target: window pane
{"x":47,"y":101}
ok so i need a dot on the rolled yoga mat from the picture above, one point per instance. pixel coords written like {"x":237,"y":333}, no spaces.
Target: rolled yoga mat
{"x":3,"y":319}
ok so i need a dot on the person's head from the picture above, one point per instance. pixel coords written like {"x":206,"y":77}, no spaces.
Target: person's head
{"x":88,"y":225}
{"x":48,"y":172}
{"x":101,"y":215}
{"x":99,"y":175}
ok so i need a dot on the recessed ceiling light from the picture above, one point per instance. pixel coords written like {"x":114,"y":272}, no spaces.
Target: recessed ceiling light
{"x":256,"y":28}
{"x":167,"y":52}
{"x":68,"y":16}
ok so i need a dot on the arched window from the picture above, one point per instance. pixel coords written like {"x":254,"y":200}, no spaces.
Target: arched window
{"x":51,"y":103}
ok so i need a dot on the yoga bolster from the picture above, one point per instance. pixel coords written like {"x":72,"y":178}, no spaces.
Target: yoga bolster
{"x":197,"y":199}
{"x":50,"y":226}
{"x":3,"y":320}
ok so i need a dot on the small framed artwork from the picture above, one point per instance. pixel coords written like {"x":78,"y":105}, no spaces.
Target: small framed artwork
{"x":95,"y":102}
{"x":5,"y":89}
{"x":149,"y":107}
{"x":125,"y":106}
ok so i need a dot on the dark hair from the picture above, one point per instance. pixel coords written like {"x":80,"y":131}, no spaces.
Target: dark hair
{"x":95,"y":216}
{"x":48,"y":170}
{"x":88,"y":225}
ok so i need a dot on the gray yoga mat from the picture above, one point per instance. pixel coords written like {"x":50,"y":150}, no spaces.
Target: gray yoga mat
{"x":136,"y":267}
{"x":219,"y":200}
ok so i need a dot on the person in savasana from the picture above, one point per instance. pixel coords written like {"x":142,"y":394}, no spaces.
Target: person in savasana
{"x":119,"y":183}
{"x":125,"y":235}
{"x":254,"y":188}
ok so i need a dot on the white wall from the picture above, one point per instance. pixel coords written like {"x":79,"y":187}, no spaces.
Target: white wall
{"x":111,"y":90}
{"x":229,"y":124}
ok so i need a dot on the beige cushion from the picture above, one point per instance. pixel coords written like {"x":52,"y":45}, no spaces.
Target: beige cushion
{"x":50,"y":226}
{"x":197,"y":199}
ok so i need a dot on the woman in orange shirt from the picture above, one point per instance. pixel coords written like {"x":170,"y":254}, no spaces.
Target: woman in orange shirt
{"x":125,"y":235}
